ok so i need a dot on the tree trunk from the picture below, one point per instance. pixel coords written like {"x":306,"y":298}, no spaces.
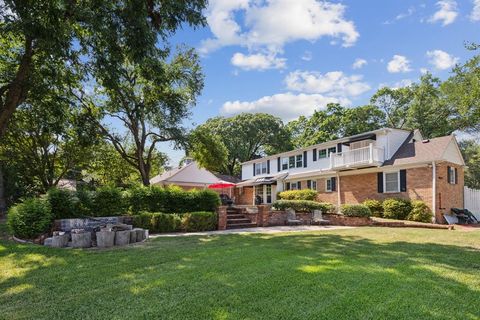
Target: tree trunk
{"x":17,"y":89}
{"x":3,"y":202}
{"x":144,"y":172}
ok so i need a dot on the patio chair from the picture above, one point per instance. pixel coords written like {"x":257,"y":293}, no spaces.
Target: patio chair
{"x":292,"y":218}
{"x":317,"y":218}
{"x":226,"y":200}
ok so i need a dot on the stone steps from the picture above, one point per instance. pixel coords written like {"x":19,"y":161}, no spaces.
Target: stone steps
{"x":236,"y":219}
{"x":241,"y":225}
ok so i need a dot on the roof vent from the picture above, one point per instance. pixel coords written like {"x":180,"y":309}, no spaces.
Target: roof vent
{"x":426,"y":141}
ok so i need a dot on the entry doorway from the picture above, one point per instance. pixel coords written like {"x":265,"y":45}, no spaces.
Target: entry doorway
{"x":264,"y":194}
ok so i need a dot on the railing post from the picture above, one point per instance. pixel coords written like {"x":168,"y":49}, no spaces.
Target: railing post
{"x":371,"y":152}
{"x":331,"y":160}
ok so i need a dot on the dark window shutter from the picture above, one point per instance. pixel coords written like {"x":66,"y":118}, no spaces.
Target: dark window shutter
{"x":268,"y":166}
{"x":304,"y":159}
{"x":254,"y":169}
{"x":278,"y":165}
{"x":309,"y":184}
{"x":299,"y":185}
{"x":456,"y":176}
{"x":448,"y":175}
{"x":287,"y":185}
{"x":403,"y":180}
{"x":380,"y":182}
{"x":315,"y":154}
{"x":339,"y":147}
{"x":334,"y":184}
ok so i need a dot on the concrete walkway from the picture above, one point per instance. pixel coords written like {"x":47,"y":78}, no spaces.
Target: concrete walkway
{"x":267,"y":230}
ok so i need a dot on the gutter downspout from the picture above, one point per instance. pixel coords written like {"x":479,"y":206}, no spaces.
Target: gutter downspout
{"x":339,"y":200}
{"x":434,"y":191}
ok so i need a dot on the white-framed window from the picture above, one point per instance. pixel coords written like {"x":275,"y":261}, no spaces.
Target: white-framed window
{"x":264,"y":167}
{"x":391,"y":181}
{"x":313,"y":184}
{"x":284,"y":163}
{"x":452,"y":177}
{"x":291,"y":162}
{"x":293,"y":186}
{"x":329,"y":185}
{"x":332,"y":150}
{"x":299,"y":160}
{"x":258,"y":168}
{"x":322,"y":153}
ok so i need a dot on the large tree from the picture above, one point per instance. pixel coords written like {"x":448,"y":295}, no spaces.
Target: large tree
{"x":394,"y":102}
{"x":334,"y":122}
{"x":150,"y":102}
{"x":245,"y":136}
{"x":102,"y":34}
{"x":471,"y":153}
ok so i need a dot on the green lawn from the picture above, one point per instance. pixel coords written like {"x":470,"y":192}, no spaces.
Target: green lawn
{"x":363,"y":273}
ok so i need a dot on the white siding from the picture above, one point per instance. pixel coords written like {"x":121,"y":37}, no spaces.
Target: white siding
{"x":452,"y":153}
{"x":395,"y":138}
{"x":247,"y":171}
{"x":194,"y":174}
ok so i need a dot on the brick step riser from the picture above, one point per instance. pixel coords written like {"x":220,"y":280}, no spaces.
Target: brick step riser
{"x":241,"y":225}
{"x":234,"y":221}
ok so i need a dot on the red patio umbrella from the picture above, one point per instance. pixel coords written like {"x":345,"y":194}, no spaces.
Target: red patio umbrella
{"x":222,"y":185}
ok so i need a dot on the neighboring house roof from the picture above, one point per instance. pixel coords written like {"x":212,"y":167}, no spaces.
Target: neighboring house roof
{"x":190,"y":174}
{"x":436,"y":149}
{"x":227,"y":178}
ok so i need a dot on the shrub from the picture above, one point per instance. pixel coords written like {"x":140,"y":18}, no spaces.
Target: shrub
{"x":306,"y":194}
{"x":396,"y":208}
{"x":375,"y":207}
{"x":84,"y":203}
{"x":302,"y":205}
{"x":62,"y":203}
{"x":108,"y":201}
{"x":30,"y":219}
{"x":157,"y":222}
{"x":420,"y":212}
{"x":355,"y":210}
{"x":199,"y":221}
{"x":171,"y":199}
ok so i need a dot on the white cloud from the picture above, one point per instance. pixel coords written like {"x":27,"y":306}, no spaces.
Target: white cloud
{"x":423,"y":70}
{"x":258,"y":61}
{"x":359,"y":63}
{"x":475,"y":15}
{"x":334,"y":83}
{"x":397,"y":85}
{"x":399,"y":64}
{"x":272,"y":24}
{"x":447,"y":12}
{"x":441,"y":60}
{"x":287,"y":106}
{"x":307,"y":56}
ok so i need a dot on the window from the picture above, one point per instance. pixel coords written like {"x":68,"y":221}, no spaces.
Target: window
{"x":312,"y":184}
{"x":392,"y":181}
{"x":299,"y":161}
{"x":268,"y":191}
{"x":264,"y":167}
{"x":293,"y":186}
{"x":258,"y":168}
{"x":332,"y":150}
{"x":322,"y":153}
{"x":259,"y":194}
{"x":284,"y":163}
{"x":291,"y":162}
{"x":328,"y":185}
{"x":452,"y":175}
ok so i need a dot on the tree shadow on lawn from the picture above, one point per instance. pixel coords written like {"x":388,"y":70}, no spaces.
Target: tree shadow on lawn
{"x":295,"y":276}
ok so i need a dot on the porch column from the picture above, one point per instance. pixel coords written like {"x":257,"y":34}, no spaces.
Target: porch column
{"x":339,"y":199}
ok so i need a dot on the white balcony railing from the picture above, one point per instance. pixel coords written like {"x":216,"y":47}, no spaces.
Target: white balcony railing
{"x":366,"y":156}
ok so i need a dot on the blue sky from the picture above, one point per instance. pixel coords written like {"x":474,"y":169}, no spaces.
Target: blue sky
{"x":290,"y":57}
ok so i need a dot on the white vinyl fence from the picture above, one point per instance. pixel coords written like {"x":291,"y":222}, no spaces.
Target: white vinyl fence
{"x":472,"y":201}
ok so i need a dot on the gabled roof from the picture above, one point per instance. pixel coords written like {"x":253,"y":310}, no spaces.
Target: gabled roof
{"x":168,"y":174}
{"x":435,"y":149}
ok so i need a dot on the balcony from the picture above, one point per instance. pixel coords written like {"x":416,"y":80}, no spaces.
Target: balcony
{"x":357,"y":158}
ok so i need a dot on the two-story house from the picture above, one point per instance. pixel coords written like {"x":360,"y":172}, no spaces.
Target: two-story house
{"x":385,"y":163}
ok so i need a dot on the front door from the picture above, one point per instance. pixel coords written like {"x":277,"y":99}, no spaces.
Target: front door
{"x":263,"y":194}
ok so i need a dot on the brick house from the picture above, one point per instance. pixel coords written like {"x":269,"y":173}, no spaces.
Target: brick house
{"x":385,"y":163}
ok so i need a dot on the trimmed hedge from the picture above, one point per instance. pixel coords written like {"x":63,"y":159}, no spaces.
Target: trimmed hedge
{"x":305,"y":194}
{"x":171,"y":199}
{"x":302,"y":205}
{"x":30,"y":219}
{"x":375,"y":207}
{"x":62,"y":203}
{"x":158,"y":222}
{"x":420,"y":212}
{"x":108,"y":201}
{"x":355,"y":210}
{"x":199,"y":221}
{"x":396,"y":208}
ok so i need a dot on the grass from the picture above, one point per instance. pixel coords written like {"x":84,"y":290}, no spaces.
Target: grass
{"x":363,"y":273}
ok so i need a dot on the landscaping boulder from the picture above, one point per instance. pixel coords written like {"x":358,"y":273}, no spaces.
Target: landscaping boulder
{"x":60,"y":240}
{"x":133,"y":236}
{"x":105,"y":239}
{"x":82,"y":239}
{"x":122,"y":238}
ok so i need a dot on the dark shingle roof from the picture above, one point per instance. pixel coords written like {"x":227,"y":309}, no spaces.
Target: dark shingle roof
{"x":420,"y":151}
{"x":227,"y":178}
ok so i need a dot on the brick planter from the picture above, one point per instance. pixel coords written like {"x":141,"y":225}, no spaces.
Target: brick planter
{"x":341,"y":220}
